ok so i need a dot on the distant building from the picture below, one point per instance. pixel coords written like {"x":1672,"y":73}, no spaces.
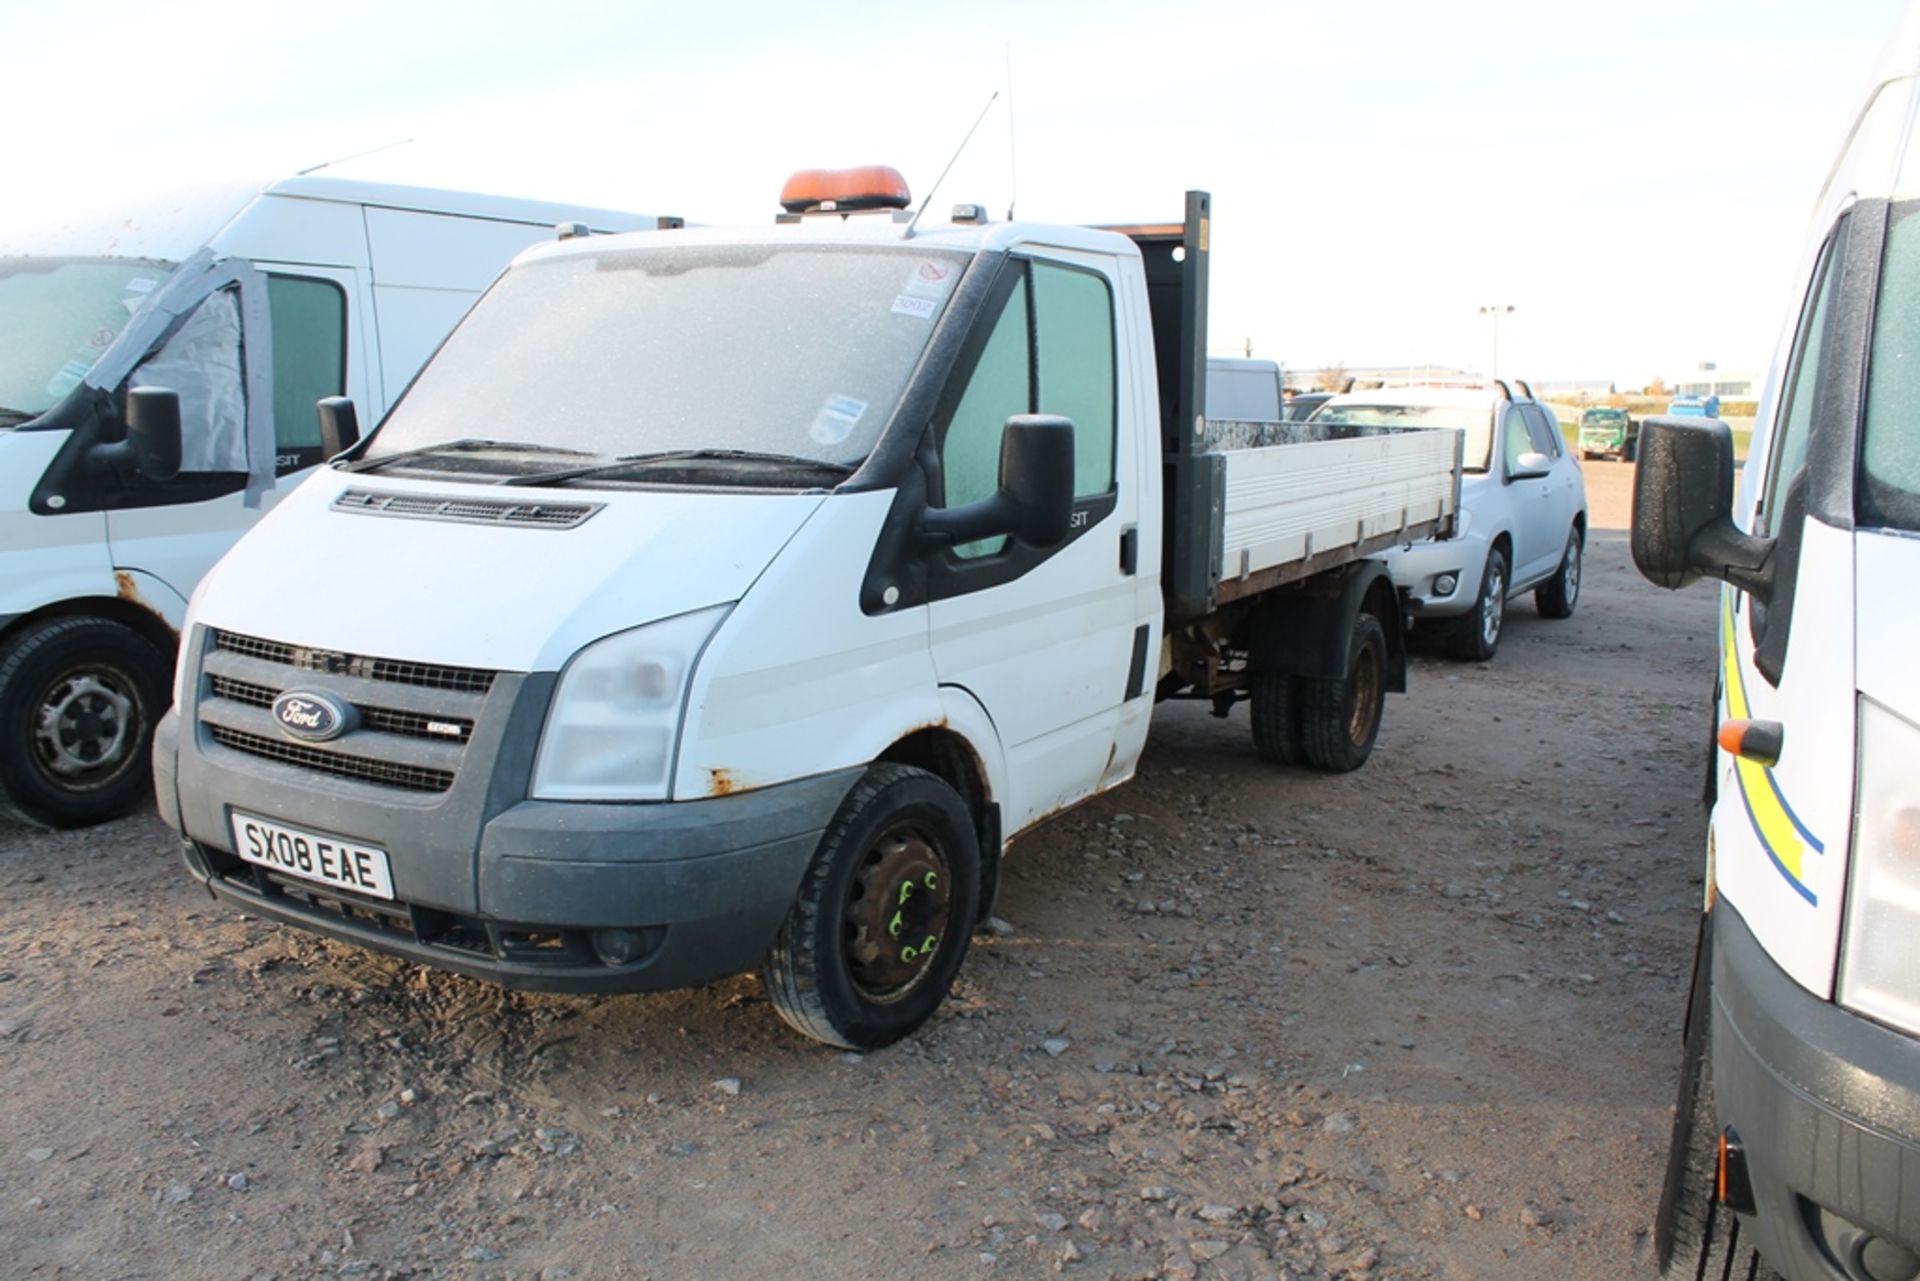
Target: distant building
{"x":1308,"y":379}
{"x":1707,"y":380}
{"x":1575,"y":388}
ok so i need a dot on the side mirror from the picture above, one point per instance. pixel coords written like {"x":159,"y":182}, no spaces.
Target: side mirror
{"x":153,"y":431}
{"x":1034,"y":502}
{"x":1683,"y":509}
{"x":339,"y":425}
{"x":1530,"y":466}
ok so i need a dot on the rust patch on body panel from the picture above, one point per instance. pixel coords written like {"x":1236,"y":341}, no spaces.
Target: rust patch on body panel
{"x":721,"y":782}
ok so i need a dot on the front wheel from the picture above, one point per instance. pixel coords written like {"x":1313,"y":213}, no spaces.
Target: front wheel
{"x":1477,"y":636}
{"x":1556,"y":597}
{"x":876,"y":936}
{"x":1694,"y":1234}
{"x":1340,"y":719}
{"x":78,"y":701}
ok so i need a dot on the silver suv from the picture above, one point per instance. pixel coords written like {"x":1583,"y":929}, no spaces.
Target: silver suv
{"x":1523,"y":507}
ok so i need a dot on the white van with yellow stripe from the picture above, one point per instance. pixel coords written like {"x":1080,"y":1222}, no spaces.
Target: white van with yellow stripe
{"x":1796,"y":1143}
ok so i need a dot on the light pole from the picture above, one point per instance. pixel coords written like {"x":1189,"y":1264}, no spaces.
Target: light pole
{"x":1496,"y":312}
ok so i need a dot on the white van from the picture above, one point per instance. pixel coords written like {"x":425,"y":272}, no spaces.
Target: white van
{"x":1796,"y":1141}
{"x":773,"y":673}
{"x":251,"y":305}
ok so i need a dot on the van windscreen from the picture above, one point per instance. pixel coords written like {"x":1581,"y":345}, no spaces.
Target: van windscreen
{"x":799,"y":351}
{"x":1889,"y":493}
{"x":59,"y":315}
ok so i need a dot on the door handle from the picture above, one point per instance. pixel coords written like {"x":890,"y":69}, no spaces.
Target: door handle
{"x":1130,"y":550}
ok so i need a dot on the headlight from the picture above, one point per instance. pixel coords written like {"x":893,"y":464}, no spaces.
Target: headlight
{"x":1881,"y":955}
{"x":615,"y":718}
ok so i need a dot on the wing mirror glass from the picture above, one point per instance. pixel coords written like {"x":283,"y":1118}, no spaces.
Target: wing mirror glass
{"x":339,"y":425}
{"x":1683,"y":509}
{"x":1034,"y":501}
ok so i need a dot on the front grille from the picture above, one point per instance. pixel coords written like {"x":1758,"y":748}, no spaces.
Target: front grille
{"x":387,"y":720}
{"x":387,"y":773}
{"x":472,"y":511}
{"x":412,"y":725}
{"x":466,"y":680}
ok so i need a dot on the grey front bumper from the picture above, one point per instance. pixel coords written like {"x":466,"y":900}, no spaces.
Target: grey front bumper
{"x":1827,"y":1107}
{"x":509,"y":889}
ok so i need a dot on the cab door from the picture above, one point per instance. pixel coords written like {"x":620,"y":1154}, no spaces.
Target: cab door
{"x":226,"y":375}
{"x":1780,"y":831}
{"x":1050,"y":642}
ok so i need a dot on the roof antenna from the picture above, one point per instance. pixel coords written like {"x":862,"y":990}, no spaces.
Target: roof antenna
{"x":1013,"y":166}
{"x":328,"y":164}
{"x":908,"y":233}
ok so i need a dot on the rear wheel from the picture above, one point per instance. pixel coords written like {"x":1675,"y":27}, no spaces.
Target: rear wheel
{"x":1556,"y":597}
{"x":1276,"y":718}
{"x":1340,"y":719}
{"x":78,"y":702}
{"x":883,"y":917}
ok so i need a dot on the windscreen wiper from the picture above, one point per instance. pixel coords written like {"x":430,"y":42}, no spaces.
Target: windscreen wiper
{"x":467,"y":445}
{"x":639,"y":461}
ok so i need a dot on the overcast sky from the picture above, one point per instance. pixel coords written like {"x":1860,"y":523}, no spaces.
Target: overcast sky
{"x":1634,"y":178}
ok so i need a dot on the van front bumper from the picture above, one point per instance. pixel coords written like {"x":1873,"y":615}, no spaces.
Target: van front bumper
{"x":535,"y":895}
{"x":1827,"y":1108}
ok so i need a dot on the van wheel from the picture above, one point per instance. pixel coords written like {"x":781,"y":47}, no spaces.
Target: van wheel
{"x":1693,"y":1234}
{"x":78,"y":701}
{"x":876,"y":936}
{"x":1477,"y":636}
{"x":1340,"y":719}
{"x":1556,"y":597}
{"x":1276,"y":718}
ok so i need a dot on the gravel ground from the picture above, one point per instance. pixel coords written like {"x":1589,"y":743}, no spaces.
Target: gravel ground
{"x":1238,"y":1021}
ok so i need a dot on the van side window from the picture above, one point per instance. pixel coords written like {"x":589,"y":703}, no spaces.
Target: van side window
{"x":1890,"y":445}
{"x":1000,"y":387}
{"x":201,"y":362}
{"x":1073,"y":313}
{"x":309,"y":321}
{"x":1799,"y":391}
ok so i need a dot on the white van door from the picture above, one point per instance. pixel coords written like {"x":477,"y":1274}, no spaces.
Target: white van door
{"x":175,"y":530}
{"x":1047,"y":641}
{"x":1780,"y":831}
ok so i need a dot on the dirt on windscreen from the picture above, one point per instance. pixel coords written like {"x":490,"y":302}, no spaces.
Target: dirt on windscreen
{"x":1420,"y":1021}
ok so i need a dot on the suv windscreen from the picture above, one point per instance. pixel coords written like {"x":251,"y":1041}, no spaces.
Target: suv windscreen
{"x":1476,"y":423}
{"x":798,"y":352}
{"x":1889,"y":493}
{"x":59,"y":315}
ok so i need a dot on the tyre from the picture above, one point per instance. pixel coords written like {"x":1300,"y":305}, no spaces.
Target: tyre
{"x":78,"y":701}
{"x":1276,"y":718}
{"x":1340,"y":719}
{"x":883,"y":917}
{"x":1556,"y":597}
{"x":1694,"y":1235}
{"x":1477,"y":636}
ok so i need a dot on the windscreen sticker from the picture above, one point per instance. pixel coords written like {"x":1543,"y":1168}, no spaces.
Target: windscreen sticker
{"x":931,"y":278}
{"x":921,"y":308}
{"x":67,"y":378}
{"x":836,"y":419}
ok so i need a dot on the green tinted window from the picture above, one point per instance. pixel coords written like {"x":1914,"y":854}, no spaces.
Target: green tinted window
{"x":1516,"y":442}
{"x":1890,"y":448}
{"x":1073,"y":313}
{"x":309,"y":354}
{"x":1795,"y":416}
{"x":999,"y":388}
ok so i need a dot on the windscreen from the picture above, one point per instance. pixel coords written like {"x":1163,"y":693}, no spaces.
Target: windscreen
{"x":1890,"y":444}
{"x":59,"y":315}
{"x":800,"y":351}
{"x":1476,"y":423}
